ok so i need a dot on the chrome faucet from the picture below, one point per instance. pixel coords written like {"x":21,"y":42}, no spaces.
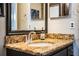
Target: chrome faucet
{"x":30,"y":35}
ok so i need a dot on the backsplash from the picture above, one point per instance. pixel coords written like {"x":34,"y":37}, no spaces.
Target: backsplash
{"x":15,"y":39}
{"x":60,"y":36}
{"x":22,"y":38}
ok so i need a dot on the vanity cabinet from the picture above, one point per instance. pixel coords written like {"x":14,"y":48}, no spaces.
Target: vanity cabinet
{"x":66,"y":52}
{"x":63,"y":52}
{"x":10,"y":52}
{"x":70,"y":51}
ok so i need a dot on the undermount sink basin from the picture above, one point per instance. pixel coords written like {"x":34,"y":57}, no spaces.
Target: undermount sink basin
{"x":39,"y":44}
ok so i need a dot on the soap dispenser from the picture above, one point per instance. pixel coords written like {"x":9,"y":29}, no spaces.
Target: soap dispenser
{"x":42,"y":35}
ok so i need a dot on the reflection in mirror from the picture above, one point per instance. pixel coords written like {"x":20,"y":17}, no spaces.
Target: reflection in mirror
{"x":23,"y":13}
{"x":37,"y":10}
{"x":18,"y":16}
{"x":57,"y":10}
{"x":54,"y":10}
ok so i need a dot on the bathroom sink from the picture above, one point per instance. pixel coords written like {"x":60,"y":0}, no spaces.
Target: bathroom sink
{"x":42,"y":44}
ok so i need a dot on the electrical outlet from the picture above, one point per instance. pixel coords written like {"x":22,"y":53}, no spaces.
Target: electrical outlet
{"x":72,"y":24}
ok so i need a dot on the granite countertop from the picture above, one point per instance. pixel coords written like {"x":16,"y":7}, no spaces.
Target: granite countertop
{"x":56,"y":45}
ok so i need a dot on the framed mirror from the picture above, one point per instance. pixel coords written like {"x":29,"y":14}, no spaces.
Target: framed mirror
{"x":25,"y":17}
{"x":58,"y":10}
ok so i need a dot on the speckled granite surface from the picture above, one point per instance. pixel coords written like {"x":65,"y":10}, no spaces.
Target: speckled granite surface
{"x":23,"y":47}
{"x":22,"y":38}
{"x":15,"y":39}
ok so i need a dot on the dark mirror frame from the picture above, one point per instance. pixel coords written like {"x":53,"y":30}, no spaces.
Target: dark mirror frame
{"x":8,"y":22}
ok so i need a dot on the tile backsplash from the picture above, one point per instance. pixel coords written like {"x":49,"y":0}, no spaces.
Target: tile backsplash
{"x":22,"y":38}
{"x":15,"y":39}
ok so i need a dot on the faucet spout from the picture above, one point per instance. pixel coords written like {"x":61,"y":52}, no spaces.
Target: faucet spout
{"x":30,"y":35}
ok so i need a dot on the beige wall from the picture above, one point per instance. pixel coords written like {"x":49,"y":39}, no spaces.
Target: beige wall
{"x":60,"y":25}
{"x":2,"y":34}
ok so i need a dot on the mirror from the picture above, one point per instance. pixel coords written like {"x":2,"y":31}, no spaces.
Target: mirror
{"x":25,"y":17}
{"x":57,"y":10}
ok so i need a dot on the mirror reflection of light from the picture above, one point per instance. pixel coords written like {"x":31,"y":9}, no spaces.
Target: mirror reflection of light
{"x":13,"y":17}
